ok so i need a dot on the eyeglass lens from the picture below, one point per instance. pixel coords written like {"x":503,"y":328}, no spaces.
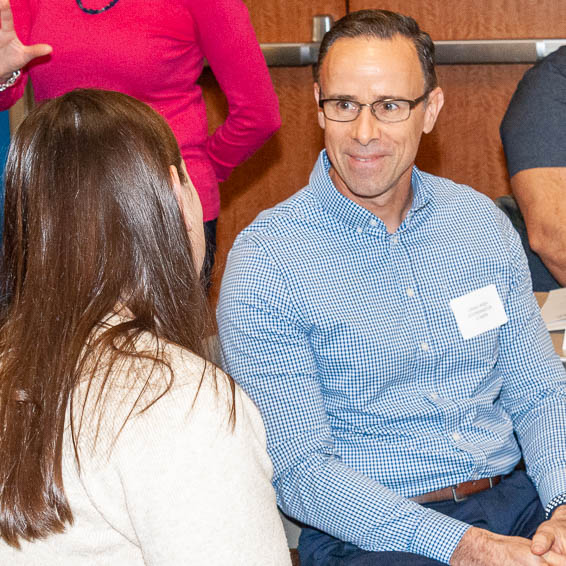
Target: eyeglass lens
{"x":384,"y":110}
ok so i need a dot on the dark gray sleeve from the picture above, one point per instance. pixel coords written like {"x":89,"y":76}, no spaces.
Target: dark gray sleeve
{"x":533,"y":130}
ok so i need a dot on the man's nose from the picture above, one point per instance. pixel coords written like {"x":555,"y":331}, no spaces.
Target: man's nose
{"x":366,"y":126}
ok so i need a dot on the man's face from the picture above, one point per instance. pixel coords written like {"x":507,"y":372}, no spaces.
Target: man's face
{"x":372,"y":160}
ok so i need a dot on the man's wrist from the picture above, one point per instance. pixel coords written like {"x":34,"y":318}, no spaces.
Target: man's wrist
{"x":426,"y":540}
{"x":471,"y":547}
{"x":553,"y":504}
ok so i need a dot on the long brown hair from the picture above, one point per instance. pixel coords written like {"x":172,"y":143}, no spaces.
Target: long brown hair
{"x":91,"y":221}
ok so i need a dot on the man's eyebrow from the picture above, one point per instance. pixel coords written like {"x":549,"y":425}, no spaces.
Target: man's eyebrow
{"x":355,"y":98}
{"x":389,"y":97}
{"x":341,"y":97}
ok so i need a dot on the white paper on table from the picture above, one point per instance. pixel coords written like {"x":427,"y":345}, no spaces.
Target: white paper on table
{"x":554,"y":310}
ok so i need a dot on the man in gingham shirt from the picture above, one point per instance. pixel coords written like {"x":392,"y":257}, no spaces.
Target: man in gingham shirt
{"x":383,"y":321}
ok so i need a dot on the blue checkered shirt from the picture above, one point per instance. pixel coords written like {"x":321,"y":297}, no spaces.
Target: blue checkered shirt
{"x":343,"y":335}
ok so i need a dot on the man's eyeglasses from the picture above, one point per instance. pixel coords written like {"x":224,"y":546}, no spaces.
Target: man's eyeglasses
{"x":386,"y":110}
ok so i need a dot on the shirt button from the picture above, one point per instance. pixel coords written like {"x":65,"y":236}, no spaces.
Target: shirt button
{"x":395,"y":239}
{"x":410,"y":292}
{"x":359,"y":230}
{"x":373,"y":222}
{"x":457,"y":436}
{"x":434,"y":396}
{"x":425,"y":346}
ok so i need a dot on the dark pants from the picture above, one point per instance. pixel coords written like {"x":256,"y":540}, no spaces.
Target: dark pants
{"x":510,"y":508}
{"x":210,"y":239}
{"x":543,"y":280}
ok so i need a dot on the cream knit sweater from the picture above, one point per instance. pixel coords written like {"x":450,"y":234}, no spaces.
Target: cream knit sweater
{"x":178,"y":486}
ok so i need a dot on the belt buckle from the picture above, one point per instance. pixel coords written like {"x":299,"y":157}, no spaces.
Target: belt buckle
{"x":455,"y":495}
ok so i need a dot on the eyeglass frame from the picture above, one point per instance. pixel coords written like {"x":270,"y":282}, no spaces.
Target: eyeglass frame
{"x":412,"y":104}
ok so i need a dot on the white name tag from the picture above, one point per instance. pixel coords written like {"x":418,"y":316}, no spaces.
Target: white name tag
{"x":478,"y":311}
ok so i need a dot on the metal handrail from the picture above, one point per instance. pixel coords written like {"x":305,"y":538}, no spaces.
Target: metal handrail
{"x":465,"y":52}
{"x":494,"y":51}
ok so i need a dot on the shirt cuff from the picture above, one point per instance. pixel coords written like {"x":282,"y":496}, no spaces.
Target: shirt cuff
{"x":437,"y":536}
{"x":551,"y":485}
{"x":558,"y":501}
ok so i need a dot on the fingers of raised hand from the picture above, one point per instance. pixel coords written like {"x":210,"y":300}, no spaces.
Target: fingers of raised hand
{"x":6,"y":19}
{"x":36,"y":50}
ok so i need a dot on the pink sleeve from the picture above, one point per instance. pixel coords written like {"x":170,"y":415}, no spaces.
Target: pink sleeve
{"x":228,"y":41}
{"x":21,"y":13}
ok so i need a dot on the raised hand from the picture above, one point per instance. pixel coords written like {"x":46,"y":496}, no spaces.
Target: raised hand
{"x":13,"y":53}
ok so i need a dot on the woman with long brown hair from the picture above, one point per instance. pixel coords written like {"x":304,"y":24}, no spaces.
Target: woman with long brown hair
{"x":119,"y":443}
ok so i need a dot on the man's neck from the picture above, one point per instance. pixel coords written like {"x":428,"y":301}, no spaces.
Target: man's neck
{"x":391,"y":207}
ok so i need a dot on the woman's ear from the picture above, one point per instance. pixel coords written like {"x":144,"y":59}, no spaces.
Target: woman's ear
{"x":191,"y":211}
{"x":180,"y":195}
{"x":174,"y":175}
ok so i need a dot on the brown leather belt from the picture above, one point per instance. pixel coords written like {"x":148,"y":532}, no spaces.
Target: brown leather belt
{"x":458,"y":492}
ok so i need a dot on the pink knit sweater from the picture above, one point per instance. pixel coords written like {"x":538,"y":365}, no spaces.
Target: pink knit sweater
{"x":153,"y":50}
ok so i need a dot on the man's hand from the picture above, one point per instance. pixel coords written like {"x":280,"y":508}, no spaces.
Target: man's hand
{"x":479,"y":547}
{"x":551,"y":535}
{"x":13,"y":53}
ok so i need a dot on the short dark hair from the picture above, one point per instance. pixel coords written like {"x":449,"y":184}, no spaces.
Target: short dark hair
{"x":382,"y":24}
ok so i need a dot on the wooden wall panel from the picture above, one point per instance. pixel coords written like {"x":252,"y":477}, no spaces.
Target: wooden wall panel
{"x":465,"y":144}
{"x":21,"y":108}
{"x":480,"y":19}
{"x":278,"y":169}
{"x":283,"y":165}
{"x":289,"y":21}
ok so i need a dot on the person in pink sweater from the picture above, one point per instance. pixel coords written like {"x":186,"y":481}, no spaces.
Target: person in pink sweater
{"x":152,"y":50}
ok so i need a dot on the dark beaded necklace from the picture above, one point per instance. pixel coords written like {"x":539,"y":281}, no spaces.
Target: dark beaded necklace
{"x":91,"y":11}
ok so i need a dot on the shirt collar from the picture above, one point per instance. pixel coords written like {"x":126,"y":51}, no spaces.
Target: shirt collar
{"x":351,"y":213}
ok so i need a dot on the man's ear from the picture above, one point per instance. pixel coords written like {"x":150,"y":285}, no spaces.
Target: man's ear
{"x":179,"y":192}
{"x":434,"y":104}
{"x":321,"y":122}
